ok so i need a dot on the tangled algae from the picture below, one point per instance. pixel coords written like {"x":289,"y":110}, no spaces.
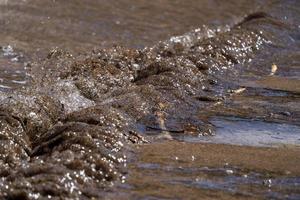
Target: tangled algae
{"x":69,"y":134}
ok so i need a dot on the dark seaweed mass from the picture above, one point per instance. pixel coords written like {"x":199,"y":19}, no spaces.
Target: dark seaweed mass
{"x":68,"y":134}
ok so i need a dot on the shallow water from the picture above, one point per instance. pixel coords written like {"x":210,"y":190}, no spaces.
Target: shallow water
{"x":34,"y":27}
{"x":237,"y":131}
{"x":71,"y":122}
{"x":228,"y":180}
{"x":181,"y":170}
{"x":13,"y":69}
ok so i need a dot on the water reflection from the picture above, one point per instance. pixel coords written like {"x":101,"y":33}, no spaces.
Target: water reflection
{"x":238,"y":131}
{"x":13,"y":69}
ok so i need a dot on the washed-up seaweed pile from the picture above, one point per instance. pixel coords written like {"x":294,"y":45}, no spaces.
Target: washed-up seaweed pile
{"x":68,"y":134}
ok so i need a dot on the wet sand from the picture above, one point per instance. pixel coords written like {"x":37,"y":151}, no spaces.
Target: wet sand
{"x":279,"y":160}
{"x":169,"y":170}
{"x":280,"y":83}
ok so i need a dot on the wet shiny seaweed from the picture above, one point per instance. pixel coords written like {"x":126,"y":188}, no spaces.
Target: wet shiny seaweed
{"x":69,"y":133}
